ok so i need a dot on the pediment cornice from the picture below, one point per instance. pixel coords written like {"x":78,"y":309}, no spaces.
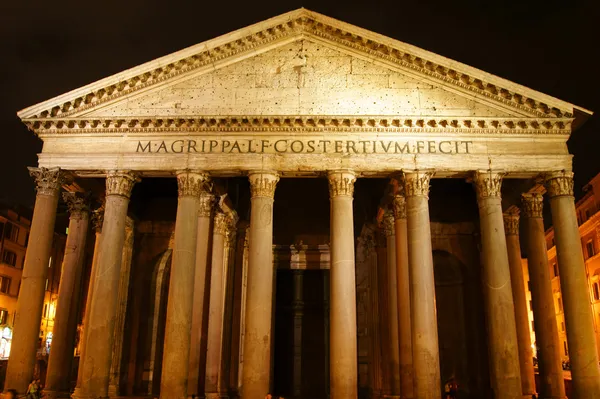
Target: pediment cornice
{"x":303,"y":23}
{"x":301,"y":123}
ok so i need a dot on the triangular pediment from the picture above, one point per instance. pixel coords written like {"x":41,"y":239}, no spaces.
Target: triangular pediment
{"x":299,"y":64}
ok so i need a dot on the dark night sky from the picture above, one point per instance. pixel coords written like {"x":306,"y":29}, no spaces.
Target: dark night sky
{"x":48,"y":48}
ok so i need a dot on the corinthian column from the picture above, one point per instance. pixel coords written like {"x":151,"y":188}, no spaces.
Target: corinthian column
{"x":65,"y":323}
{"x":403,"y":287}
{"x":97,"y":220}
{"x":517,"y":281}
{"x":178,"y":325}
{"x":33,"y":280}
{"x":505,"y":372}
{"x":218,"y":279}
{"x":394,"y":350}
{"x":425,"y":349}
{"x":259,"y":291}
{"x":544,"y":315}
{"x":343,"y":346}
{"x":573,"y":282}
{"x":97,"y":356}
{"x":198,"y":341}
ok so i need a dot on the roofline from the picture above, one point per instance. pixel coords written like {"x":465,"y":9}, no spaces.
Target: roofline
{"x":260,"y":26}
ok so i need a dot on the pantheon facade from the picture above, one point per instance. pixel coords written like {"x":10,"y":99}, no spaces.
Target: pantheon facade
{"x":307,"y":208}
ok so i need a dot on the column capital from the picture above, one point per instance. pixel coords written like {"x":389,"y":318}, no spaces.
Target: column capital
{"x":559,"y":183}
{"x":120,"y":182}
{"x":191,"y":183}
{"x":49,"y":181}
{"x":263,"y":183}
{"x":511,"y":222}
{"x":78,"y":204}
{"x":206,"y":201}
{"x":399,"y":205}
{"x":221,"y":224}
{"x":388,"y":224}
{"x":341,"y":183}
{"x":488,"y":183}
{"x":416,"y":183}
{"x":533,"y":205}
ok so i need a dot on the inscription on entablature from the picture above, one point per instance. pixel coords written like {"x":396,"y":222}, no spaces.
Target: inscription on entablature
{"x":304,"y":146}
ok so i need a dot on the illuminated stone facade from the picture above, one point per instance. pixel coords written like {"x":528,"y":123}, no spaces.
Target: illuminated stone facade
{"x":234,"y":276}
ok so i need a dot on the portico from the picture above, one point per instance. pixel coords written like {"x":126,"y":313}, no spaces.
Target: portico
{"x":223,"y":124}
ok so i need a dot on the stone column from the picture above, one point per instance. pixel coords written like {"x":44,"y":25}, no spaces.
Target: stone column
{"x":425,"y":349}
{"x":298,"y":307}
{"x":257,"y":344}
{"x":343,"y":339}
{"x":542,"y":298}
{"x":97,"y":356}
{"x":114,"y":385}
{"x":403,"y":287}
{"x":97,"y":220}
{"x":573,"y":281}
{"x":203,"y":256}
{"x":517,"y":280}
{"x":392,"y":322}
{"x":178,"y":324}
{"x":218,"y":275}
{"x":505,"y":374}
{"x":65,"y":323}
{"x":33,"y":280}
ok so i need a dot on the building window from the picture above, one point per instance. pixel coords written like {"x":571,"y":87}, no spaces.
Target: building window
{"x":588,"y":213}
{"x":530,"y":305}
{"x":529,"y":285}
{"x":565,"y":348}
{"x":596,"y":288}
{"x":555,"y":268}
{"x":560,"y":305}
{"x":590,"y":248}
{"x":9,"y":257}
{"x":532,"y":326}
{"x":4,"y":284}
{"x":3,"y":316}
{"x":12,"y":232}
{"x":562,"y":326}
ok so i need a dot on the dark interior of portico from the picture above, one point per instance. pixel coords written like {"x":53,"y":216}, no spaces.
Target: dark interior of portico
{"x":300,"y":365}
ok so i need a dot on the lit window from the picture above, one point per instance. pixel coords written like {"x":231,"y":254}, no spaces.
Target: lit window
{"x":530,"y":305}
{"x":565,"y":347}
{"x":562,"y":326}
{"x":4,"y":284}
{"x":9,"y":257}
{"x":532,"y":326}
{"x":560,"y":305}
{"x":590,"y":248}
{"x":12,"y":232}
{"x":3,"y":316}
{"x":555,"y":267}
{"x":596,"y":291}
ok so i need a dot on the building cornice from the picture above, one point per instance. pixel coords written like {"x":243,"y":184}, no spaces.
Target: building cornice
{"x":303,"y":123}
{"x":304,"y":24}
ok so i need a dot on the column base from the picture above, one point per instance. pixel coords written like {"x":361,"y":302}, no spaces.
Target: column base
{"x":216,"y":395}
{"x":55,"y":394}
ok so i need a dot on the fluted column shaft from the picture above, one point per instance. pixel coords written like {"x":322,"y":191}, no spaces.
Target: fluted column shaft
{"x":218,"y":276}
{"x":574,"y":286}
{"x":203,"y":256}
{"x":97,"y":219}
{"x":517,"y":281}
{"x":425,"y":349}
{"x":259,"y":291}
{"x":392,"y":322}
{"x":33,"y":280}
{"x":542,"y":298}
{"x":403,"y":287}
{"x":343,"y":340}
{"x":65,"y":323}
{"x":505,"y":374}
{"x":178,"y":325}
{"x":97,"y":357}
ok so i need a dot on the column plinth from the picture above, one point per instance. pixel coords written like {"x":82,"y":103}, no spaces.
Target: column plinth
{"x":197,"y":368}
{"x":403,"y":287}
{"x":343,"y":338}
{"x":97,"y":357}
{"x":511,"y":230}
{"x":259,"y":291}
{"x":505,"y":374}
{"x":544,"y":315}
{"x":214,"y":356}
{"x":178,"y":325}
{"x":574,"y":286}
{"x":392,"y":288}
{"x":65,"y":323}
{"x":425,"y":349}
{"x":33,"y":281}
